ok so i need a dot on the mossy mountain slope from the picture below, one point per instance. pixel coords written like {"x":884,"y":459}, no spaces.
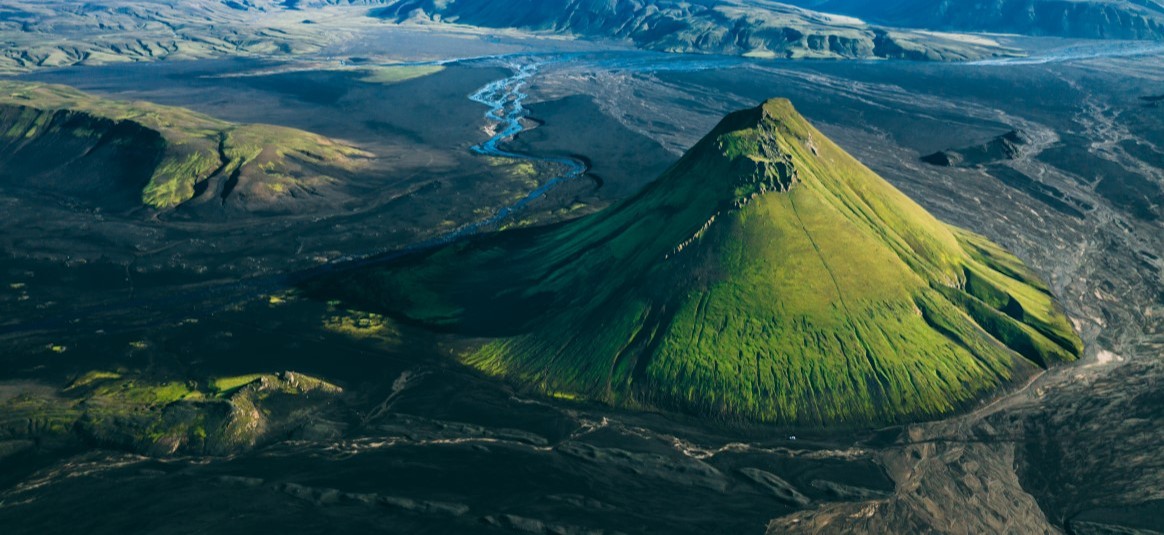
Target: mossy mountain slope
{"x":127,"y":154}
{"x":767,"y":275}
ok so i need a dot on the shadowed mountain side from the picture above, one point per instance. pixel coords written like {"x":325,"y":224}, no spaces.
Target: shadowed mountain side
{"x":767,"y":275}
{"x":122,"y":155}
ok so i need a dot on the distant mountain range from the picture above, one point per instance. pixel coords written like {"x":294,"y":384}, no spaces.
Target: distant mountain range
{"x":1093,"y":19}
{"x":735,"y":27}
{"x":55,"y":33}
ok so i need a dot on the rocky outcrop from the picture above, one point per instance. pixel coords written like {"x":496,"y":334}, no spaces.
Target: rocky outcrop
{"x":1008,"y":146}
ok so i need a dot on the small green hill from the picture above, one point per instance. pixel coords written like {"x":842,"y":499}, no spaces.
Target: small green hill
{"x":125,"y":154}
{"x":767,"y":275}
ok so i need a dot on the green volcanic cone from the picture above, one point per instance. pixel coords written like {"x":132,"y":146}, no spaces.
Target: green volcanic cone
{"x":766,"y":276}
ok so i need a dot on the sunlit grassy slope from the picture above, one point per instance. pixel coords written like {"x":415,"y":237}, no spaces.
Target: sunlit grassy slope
{"x":178,"y":148}
{"x":767,"y":276}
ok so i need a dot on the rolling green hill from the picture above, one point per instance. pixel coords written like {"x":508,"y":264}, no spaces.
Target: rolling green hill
{"x":127,"y":154}
{"x":767,"y":275}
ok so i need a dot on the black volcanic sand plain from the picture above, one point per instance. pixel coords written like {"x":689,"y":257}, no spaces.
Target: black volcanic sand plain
{"x":421,"y":444}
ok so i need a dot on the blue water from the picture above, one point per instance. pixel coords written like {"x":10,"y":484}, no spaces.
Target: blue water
{"x":506,"y":99}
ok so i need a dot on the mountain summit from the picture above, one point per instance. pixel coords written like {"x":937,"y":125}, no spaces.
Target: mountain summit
{"x":767,"y":275}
